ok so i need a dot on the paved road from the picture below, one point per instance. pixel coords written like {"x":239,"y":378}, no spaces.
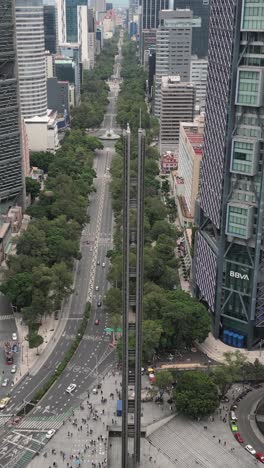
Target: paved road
{"x":95,"y":353}
{"x":246,"y":419}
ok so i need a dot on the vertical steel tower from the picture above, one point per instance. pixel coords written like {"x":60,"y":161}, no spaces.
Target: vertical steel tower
{"x":133,"y":240}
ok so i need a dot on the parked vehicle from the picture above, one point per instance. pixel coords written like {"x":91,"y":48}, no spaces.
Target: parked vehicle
{"x":250,"y":449}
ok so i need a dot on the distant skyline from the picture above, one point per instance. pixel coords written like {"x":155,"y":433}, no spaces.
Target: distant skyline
{"x":121,"y":3}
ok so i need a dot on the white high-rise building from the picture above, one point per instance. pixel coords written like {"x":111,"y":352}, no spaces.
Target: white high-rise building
{"x":61,"y":21}
{"x":199,"y":79}
{"x":31,"y":58}
{"x":173,"y":48}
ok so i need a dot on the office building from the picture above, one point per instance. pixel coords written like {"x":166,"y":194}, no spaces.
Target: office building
{"x":173,"y":48}
{"x":133,"y":8}
{"x":199,"y":79}
{"x":67,"y":68}
{"x":58,"y":96}
{"x":97,"y":5}
{"x":71,"y":19}
{"x":228,"y":272}
{"x":150,"y":12}
{"x":31,"y":58}
{"x":151,"y":71}
{"x":177,"y":105}
{"x":189,"y":168}
{"x":42,"y":132}
{"x":109,"y":6}
{"x":50,"y":28}
{"x":200,"y":9}
{"x":148,"y":41}
{"x":61,"y":21}
{"x":11,"y":167}
{"x":49,"y":63}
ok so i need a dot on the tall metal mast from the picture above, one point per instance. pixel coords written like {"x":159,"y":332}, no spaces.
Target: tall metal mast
{"x":133,"y":240}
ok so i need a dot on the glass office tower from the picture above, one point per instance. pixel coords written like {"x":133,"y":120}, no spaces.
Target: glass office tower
{"x":229,"y":253}
{"x":11,"y":176}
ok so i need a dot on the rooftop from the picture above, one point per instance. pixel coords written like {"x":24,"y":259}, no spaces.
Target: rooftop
{"x":196,"y":140}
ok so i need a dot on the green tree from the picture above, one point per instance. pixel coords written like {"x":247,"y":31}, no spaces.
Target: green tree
{"x":18,"y":289}
{"x":151,"y":336}
{"x":32,"y":242}
{"x":196,"y":394}
{"x":164,"y":380}
{"x":113,"y":301}
{"x":32,"y":187}
{"x":41,"y":159}
{"x":61,"y":285}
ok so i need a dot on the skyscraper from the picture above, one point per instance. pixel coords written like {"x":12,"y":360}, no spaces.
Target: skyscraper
{"x":31,"y":58}
{"x":71,"y":18}
{"x":150,"y":12}
{"x":177,"y":105}
{"x":11,"y":173}
{"x":200,"y":9}
{"x":229,"y":259}
{"x":173,"y":48}
{"x":50,"y":28}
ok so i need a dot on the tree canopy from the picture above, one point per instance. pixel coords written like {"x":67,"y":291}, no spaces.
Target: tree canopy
{"x":196,"y":394}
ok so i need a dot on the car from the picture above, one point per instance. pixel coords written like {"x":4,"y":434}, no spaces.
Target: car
{"x":234,"y":426}
{"x":96,"y":322}
{"x":103,"y":264}
{"x":108,"y":168}
{"x":239,"y":438}
{"x":98,"y":262}
{"x":250,"y":449}
{"x":259,"y":457}
{"x":4,"y":402}
{"x":14,"y":336}
{"x":95,"y":391}
{"x":225,"y":399}
{"x":50,"y":433}
{"x":87,"y":242}
{"x":99,"y":304}
{"x":5,"y":382}
{"x":13,"y":369}
{"x":71,"y":388}
{"x":97,"y":288}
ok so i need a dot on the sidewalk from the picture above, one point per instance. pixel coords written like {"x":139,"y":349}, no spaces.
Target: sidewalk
{"x":83,"y":440}
{"x":215,"y":349}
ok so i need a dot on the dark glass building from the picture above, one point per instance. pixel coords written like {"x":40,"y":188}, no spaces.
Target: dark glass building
{"x":50,"y":28}
{"x":11,"y":173}
{"x":229,"y":252}
{"x":72,"y":20}
{"x":200,"y":9}
{"x":150,"y":12}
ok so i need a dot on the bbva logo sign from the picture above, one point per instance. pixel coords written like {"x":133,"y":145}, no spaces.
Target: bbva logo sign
{"x":237,"y":275}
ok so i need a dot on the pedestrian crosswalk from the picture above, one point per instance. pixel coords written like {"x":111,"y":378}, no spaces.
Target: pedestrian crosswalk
{"x":43,"y":422}
{"x":7,"y":317}
{"x":4,"y":420}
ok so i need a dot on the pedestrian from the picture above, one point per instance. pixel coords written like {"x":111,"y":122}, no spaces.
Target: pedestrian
{"x":219,"y":440}
{"x":224,"y":442}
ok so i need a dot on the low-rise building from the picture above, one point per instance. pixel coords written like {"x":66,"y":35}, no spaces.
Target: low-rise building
{"x":42,"y":132}
{"x":168,"y":162}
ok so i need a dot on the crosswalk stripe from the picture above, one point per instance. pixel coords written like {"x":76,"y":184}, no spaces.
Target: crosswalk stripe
{"x":42,"y":422}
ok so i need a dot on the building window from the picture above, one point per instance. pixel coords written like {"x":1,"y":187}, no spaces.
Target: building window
{"x":249,"y":87}
{"x":252,"y":15}
{"x":239,"y":220}
{"x":244,"y":158}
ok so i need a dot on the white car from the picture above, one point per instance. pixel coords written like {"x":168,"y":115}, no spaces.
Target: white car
{"x":250,"y":449}
{"x":97,"y":288}
{"x":103,"y":265}
{"x":13,"y":369}
{"x":71,"y":388}
{"x":5,"y":382}
{"x":14,"y":336}
{"x":50,"y":433}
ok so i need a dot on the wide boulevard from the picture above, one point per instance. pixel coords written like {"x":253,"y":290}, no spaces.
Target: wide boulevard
{"x":95,"y":354}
